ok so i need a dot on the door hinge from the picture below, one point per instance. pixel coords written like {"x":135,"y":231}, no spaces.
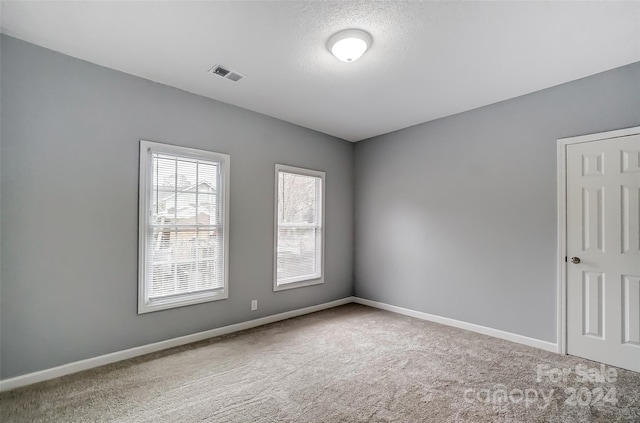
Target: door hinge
{"x":565,"y":259}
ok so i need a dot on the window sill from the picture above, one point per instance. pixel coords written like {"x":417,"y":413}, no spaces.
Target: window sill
{"x":157,"y":305}
{"x":298,"y":284}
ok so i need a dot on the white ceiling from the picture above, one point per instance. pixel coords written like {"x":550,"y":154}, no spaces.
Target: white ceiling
{"x":428,"y":59}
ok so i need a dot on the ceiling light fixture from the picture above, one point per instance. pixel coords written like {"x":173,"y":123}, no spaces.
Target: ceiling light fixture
{"x":350,"y":44}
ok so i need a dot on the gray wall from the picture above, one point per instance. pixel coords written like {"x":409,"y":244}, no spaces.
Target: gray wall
{"x":70,"y":133}
{"x":457,"y":217}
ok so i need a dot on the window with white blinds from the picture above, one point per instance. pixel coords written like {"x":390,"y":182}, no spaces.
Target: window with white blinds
{"x":183,"y":226}
{"x":299,"y":227}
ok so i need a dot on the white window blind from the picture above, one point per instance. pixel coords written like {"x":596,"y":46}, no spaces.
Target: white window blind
{"x":183,"y":236}
{"x":299,"y":237}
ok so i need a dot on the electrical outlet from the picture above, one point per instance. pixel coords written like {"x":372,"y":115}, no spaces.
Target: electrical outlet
{"x":254,"y":305}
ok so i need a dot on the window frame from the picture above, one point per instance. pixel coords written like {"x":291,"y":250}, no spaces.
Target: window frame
{"x":144,"y":196}
{"x":304,"y":172}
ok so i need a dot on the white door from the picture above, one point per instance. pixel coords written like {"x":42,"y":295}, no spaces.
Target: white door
{"x":603,"y":249}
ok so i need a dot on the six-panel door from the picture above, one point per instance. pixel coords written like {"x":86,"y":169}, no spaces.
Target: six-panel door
{"x":603,"y":239}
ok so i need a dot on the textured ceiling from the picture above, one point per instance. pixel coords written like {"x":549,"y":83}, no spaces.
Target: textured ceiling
{"x":428,"y":59}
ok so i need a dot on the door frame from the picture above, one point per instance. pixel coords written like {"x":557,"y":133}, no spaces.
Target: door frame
{"x":563,"y":143}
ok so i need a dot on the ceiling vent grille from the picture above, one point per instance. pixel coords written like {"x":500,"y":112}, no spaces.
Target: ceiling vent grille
{"x":226,"y":73}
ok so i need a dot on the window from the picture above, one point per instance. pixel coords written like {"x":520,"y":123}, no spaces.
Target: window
{"x":183,"y":238}
{"x":299,"y":221}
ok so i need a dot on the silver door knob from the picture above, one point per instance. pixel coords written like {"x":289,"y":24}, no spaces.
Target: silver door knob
{"x":575,"y":260}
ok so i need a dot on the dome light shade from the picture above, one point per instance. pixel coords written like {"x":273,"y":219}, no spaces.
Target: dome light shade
{"x":349,"y":45}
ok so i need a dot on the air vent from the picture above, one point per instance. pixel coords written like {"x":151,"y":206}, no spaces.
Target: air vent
{"x":226,"y":73}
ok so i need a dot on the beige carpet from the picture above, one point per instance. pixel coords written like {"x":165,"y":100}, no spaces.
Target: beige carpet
{"x":348,"y":364}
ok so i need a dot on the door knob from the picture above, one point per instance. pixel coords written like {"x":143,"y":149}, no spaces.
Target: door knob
{"x":575,"y":260}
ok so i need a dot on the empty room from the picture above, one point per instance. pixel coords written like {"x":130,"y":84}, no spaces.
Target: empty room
{"x":319,"y":211}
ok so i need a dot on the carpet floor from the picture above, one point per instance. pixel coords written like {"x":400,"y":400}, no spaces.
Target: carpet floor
{"x":346,"y":364}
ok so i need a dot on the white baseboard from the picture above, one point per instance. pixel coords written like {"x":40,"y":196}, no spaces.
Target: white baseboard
{"x":90,"y":363}
{"x":101,"y":360}
{"x":520,"y":339}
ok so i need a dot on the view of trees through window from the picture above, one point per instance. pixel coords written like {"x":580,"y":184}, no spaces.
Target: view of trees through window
{"x":299,"y":227}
